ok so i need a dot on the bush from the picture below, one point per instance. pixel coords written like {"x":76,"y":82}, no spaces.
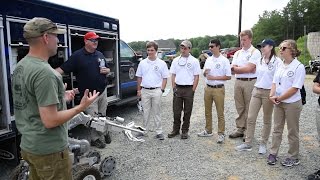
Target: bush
{"x":195,"y":52}
{"x":302,"y":46}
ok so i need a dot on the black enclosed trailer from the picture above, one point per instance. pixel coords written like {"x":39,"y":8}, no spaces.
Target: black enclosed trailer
{"x":122,"y":60}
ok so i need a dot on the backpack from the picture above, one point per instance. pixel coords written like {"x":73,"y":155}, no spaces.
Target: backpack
{"x":303,"y":95}
{"x":303,"y":92}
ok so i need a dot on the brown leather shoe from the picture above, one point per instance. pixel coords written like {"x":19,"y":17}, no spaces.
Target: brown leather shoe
{"x":184,"y":136}
{"x":236,"y":135}
{"x":173,"y":134}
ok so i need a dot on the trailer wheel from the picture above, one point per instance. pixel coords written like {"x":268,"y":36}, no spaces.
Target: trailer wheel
{"x":21,"y":172}
{"x":107,"y":166}
{"x":87,"y":173}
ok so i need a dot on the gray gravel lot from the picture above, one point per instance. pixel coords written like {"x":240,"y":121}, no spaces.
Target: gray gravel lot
{"x":203,"y":158}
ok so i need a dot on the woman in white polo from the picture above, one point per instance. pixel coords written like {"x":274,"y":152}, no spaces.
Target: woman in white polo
{"x":260,"y":96}
{"x":285,"y":94}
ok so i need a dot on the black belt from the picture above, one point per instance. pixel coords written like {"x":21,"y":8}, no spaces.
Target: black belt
{"x":263,"y":89}
{"x":216,"y":86}
{"x":246,"y":79}
{"x":150,"y":88}
{"x":184,"y":86}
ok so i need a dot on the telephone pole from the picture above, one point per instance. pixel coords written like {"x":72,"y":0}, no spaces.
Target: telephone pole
{"x":240,"y":17}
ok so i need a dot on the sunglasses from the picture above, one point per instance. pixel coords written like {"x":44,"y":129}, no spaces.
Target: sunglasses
{"x":93,"y":40}
{"x":212,"y":46}
{"x":184,"y":48}
{"x":283,"y":48}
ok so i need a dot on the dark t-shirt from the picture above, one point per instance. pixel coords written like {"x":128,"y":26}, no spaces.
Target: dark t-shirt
{"x":317,"y":80}
{"x":86,"y":68}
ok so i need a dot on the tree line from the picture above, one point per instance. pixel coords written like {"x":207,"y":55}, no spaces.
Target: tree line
{"x":294,"y":21}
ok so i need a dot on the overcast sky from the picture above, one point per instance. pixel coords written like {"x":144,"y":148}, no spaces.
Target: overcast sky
{"x":143,"y":20}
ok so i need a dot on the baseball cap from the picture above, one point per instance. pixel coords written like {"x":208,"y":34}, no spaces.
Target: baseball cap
{"x":186,"y":43}
{"x":91,"y":35}
{"x":37,"y":26}
{"x":266,"y":42}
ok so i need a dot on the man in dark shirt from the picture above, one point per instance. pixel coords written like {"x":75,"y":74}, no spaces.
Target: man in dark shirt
{"x":90,"y":68}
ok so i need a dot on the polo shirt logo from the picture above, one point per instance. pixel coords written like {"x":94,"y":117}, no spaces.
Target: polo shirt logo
{"x":218,"y":66}
{"x":290,"y":73}
{"x":156,"y":68}
{"x":248,"y":57}
{"x":189,"y":65}
{"x":270,"y":66}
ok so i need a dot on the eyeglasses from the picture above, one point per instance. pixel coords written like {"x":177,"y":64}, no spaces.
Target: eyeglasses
{"x":212,"y":46}
{"x":93,"y":40}
{"x":283,"y":48}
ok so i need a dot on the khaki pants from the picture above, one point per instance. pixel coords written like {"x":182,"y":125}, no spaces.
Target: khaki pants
{"x":151,"y":103}
{"x":318,"y":121}
{"x":242,"y":96}
{"x":49,"y":167}
{"x":216,"y":95}
{"x":260,"y":97}
{"x":99,"y":106}
{"x":290,"y":113}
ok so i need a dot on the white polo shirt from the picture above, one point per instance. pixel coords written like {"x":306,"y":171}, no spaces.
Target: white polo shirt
{"x":185,"y":68}
{"x":289,"y":76}
{"x":265,"y":72}
{"x":152,"y":72}
{"x":219,"y":66}
{"x":243,"y":57}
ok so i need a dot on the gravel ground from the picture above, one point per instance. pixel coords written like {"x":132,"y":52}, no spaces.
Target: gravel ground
{"x":203,"y":158}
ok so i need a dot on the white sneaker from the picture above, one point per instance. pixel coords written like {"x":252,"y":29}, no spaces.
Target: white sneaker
{"x":244,"y":147}
{"x":204,"y":134}
{"x":220,"y":138}
{"x":262,"y":149}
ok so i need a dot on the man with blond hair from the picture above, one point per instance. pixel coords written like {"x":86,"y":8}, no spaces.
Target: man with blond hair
{"x":244,"y":67}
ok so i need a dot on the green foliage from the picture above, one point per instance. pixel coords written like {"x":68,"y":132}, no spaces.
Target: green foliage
{"x":295,"y":20}
{"x":198,"y":43}
{"x":302,"y":46}
{"x":195,"y":52}
{"x":269,"y":26}
{"x":138,"y":45}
